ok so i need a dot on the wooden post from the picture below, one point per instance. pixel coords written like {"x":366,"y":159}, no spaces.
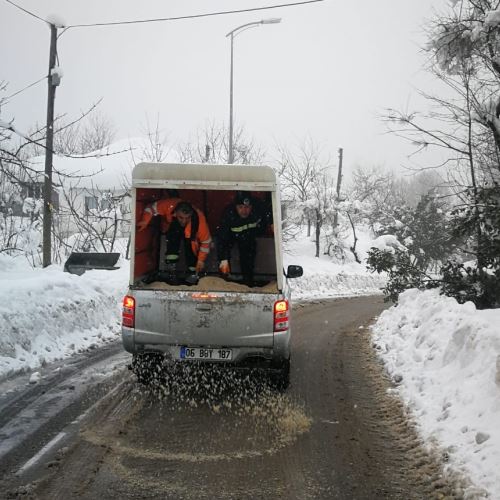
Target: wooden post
{"x":47,"y":185}
{"x":339,"y":182}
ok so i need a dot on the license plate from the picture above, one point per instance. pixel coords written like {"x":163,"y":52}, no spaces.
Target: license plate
{"x":206,"y":353}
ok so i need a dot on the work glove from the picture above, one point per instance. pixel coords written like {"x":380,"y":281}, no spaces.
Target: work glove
{"x":224,"y":267}
{"x":199,"y":266}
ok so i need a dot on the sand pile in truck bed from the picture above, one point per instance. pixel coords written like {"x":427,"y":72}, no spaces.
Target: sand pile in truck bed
{"x":214,"y":284}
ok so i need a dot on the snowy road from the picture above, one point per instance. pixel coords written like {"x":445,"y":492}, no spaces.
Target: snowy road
{"x":92,"y":432}
{"x":32,"y":416}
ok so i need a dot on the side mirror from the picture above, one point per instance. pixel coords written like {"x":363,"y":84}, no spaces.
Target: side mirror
{"x":294,"y":271}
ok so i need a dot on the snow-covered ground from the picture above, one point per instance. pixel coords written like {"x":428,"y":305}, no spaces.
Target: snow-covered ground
{"x":444,"y":357}
{"x":324,"y":278}
{"x":47,"y":314}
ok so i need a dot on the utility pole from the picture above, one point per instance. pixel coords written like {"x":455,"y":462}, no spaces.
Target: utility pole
{"x":53,"y":81}
{"x":231,"y":152}
{"x":339,"y":182}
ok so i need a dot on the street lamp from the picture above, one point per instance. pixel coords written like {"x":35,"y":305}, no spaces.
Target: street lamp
{"x":232,"y":34}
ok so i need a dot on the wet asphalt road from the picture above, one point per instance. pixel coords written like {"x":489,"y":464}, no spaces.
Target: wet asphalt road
{"x":335,"y":433}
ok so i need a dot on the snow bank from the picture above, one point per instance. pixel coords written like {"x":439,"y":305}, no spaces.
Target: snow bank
{"x":324,"y":278}
{"x":342,"y":284}
{"x":47,"y":314}
{"x":447,"y":359}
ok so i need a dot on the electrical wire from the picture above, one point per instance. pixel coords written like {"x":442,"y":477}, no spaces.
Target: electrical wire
{"x":6,"y":99}
{"x":62,"y":33}
{"x":194,"y":16}
{"x":161,"y":19}
{"x":27,"y":11}
{"x":142,"y":21}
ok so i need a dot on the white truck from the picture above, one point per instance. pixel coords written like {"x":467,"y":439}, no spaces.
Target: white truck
{"x":218,"y":319}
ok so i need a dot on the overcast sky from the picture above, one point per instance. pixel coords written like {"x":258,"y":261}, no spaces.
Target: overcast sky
{"x":326,"y":71}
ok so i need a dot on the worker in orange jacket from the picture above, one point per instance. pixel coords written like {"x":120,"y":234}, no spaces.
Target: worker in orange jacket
{"x":188,"y":224}
{"x":164,"y":208}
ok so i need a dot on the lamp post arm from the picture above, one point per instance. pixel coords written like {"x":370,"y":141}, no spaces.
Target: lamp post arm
{"x":232,"y":33}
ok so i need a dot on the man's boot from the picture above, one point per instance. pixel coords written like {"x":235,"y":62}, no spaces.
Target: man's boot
{"x":192,"y":278}
{"x":171,"y":271}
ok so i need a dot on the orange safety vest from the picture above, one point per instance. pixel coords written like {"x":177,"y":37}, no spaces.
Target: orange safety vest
{"x":200,"y":243}
{"x":165,"y":208}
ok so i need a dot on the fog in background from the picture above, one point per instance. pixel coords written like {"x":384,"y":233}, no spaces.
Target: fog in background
{"x":325,"y":72}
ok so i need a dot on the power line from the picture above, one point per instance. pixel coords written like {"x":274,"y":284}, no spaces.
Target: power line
{"x":62,"y":33}
{"x":27,"y":11}
{"x":161,"y":19}
{"x":194,"y":16}
{"x":6,"y":99}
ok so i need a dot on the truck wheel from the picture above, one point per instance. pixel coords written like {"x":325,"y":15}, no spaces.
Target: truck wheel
{"x":281,"y":380}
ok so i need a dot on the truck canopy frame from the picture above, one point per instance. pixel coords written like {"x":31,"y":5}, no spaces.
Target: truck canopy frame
{"x":204,"y":176}
{"x":207,"y":176}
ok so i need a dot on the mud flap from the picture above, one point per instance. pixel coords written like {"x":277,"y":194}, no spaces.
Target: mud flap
{"x":79,"y":262}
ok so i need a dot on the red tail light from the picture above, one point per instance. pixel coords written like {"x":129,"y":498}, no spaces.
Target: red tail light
{"x":128,"y":315}
{"x":281,"y":315}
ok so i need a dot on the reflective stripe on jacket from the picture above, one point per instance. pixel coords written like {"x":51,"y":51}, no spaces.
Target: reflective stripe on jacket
{"x":235,"y":228}
{"x":200,"y":244}
{"x":245,"y":227}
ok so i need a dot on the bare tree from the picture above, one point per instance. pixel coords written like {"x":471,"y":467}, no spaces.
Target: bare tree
{"x":97,"y":225}
{"x":90,"y":131}
{"x":97,"y":133}
{"x":20,"y":219}
{"x":21,"y":199}
{"x":309,"y":187}
{"x":322,"y":207}
{"x":298,"y":172}
{"x":156,"y":148}
{"x":464,"y":43}
{"x":211,"y":146}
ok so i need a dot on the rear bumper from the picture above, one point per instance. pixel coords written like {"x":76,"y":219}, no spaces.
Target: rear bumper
{"x":128,"y":339}
{"x":242,"y":355}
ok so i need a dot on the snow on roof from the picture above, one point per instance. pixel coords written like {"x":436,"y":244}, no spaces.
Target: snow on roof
{"x":108,"y":168}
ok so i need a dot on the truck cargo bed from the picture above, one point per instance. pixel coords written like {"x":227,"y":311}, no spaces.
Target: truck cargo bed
{"x":211,"y":283}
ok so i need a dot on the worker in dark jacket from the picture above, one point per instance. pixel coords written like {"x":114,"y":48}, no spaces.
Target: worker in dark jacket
{"x":241,"y":223}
